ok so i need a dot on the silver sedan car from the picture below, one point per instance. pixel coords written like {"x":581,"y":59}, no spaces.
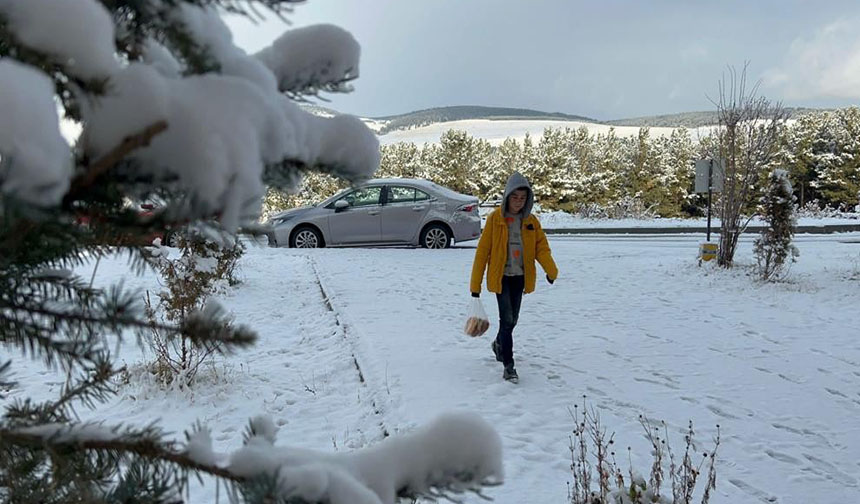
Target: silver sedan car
{"x":381,"y":212}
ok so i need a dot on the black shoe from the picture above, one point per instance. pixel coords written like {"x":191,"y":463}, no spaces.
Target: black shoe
{"x":496,"y":350}
{"x":510,"y":374}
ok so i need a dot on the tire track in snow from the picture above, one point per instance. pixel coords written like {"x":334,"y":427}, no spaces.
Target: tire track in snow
{"x":377,"y":410}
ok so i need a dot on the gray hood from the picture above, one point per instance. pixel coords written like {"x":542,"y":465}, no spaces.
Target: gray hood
{"x":517,"y":181}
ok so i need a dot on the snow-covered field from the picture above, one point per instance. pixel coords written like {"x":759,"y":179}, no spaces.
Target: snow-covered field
{"x":496,"y":131}
{"x":356,"y":343}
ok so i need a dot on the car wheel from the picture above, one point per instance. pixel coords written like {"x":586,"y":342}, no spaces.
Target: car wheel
{"x":435,"y":236}
{"x":306,"y":237}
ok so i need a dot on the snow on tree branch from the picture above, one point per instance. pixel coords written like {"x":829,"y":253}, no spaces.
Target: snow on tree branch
{"x":223,"y":129}
{"x":35,"y":162}
{"x":458,"y":451}
{"x":208,"y":30}
{"x":76,"y":34}
{"x":160,"y":58}
{"x":307,"y":60}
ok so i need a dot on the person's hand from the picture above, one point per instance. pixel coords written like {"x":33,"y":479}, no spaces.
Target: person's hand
{"x":550,"y":280}
{"x":476,"y":294}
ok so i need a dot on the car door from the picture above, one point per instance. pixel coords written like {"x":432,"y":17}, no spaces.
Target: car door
{"x":403,"y":213}
{"x":360,"y":221}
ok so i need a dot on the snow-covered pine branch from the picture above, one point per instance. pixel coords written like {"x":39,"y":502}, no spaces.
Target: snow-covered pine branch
{"x":77,"y":35}
{"x":308,"y":60}
{"x":224,"y":129}
{"x":456,"y":453}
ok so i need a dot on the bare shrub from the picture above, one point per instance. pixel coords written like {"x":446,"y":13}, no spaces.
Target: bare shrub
{"x":203,"y":268}
{"x":597,"y":479}
{"x":748,"y":133}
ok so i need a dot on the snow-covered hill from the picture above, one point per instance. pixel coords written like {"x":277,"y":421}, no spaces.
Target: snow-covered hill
{"x":496,"y":131}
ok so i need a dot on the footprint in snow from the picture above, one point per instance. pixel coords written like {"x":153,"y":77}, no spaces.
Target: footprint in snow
{"x":835,"y":392}
{"x":782,"y":457}
{"x":719,"y":412}
{"x":753,"y":491}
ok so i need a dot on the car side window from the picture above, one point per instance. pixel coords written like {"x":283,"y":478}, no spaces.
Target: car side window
{"x":421,"y":195}
{"x":399,"y":194}
{"x":365,"y":196}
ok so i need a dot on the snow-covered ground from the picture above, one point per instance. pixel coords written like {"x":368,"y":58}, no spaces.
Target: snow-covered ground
{"x":496,"y":131}
{"x":359,"y":342}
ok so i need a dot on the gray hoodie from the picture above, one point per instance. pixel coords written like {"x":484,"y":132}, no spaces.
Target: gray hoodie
{"x":514,"y":263}
{"x":517,"y":181}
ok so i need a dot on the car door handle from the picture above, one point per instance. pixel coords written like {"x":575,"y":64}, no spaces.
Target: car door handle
{"x":419,"y":208}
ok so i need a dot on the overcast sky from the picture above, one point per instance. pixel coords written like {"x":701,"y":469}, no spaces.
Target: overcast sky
{"x":606,"y":59}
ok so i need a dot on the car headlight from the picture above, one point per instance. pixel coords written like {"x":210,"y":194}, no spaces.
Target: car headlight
{"x":280,"y":220}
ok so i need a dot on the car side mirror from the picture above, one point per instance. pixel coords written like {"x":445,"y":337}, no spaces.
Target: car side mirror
{"x":340,"y":205}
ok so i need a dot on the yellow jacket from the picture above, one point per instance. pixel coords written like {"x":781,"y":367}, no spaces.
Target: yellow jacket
{"x":492,"y":253}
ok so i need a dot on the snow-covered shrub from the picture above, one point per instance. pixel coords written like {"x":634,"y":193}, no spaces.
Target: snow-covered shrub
{"x":203,"y":268}
{"x":773,"y":249}
{"x":597,"y":478}
{"x":816,"y":209}
{"x":627,"y":207}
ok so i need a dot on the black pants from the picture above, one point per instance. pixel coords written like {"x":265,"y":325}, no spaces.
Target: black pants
{"x":509,"y":301}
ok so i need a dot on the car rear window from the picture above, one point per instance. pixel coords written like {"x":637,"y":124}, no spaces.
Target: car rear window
{"x":444,"y":190}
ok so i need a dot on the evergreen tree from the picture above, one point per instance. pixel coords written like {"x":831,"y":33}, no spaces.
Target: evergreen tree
{"x":836,"y":157}
{"x":530,"y":164}
{"x":553,"y":175}
{"x":485,"y":169}
{"x":605,"y":180}
{"x":676,"y":172}
{"x":645,"y":170}
{"x":773,"y":249}
{"x":796,"y":155}
{"x":455,"y":162}
{"x":509,"y":159}
{"x":401,"y":159}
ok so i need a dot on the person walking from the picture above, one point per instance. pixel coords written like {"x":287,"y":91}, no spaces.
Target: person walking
{"x":510,"y":243}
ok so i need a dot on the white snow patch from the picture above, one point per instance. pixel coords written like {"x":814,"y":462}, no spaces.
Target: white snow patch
{"x":158,"y":57}
{"x":315,"y":55}
{"x":138,"y":97}
{"x":35,"y":161}
{"x":63,"y":433}
{"x":79,"y":33}
{"x":222,"y":131}
{"x":208,"y":29}
{"x":263,"y":426}
{"x":199,"y":447}
{"x":456,"y":446}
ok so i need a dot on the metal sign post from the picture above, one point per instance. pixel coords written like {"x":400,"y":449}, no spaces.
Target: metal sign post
{"x":709,"y":178}
{"x":710,"y":191}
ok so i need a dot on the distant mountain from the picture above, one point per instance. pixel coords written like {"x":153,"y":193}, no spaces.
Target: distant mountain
{"x":419,"y":118}
{"x":466,"y":112}
{"x":318,"y":110}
